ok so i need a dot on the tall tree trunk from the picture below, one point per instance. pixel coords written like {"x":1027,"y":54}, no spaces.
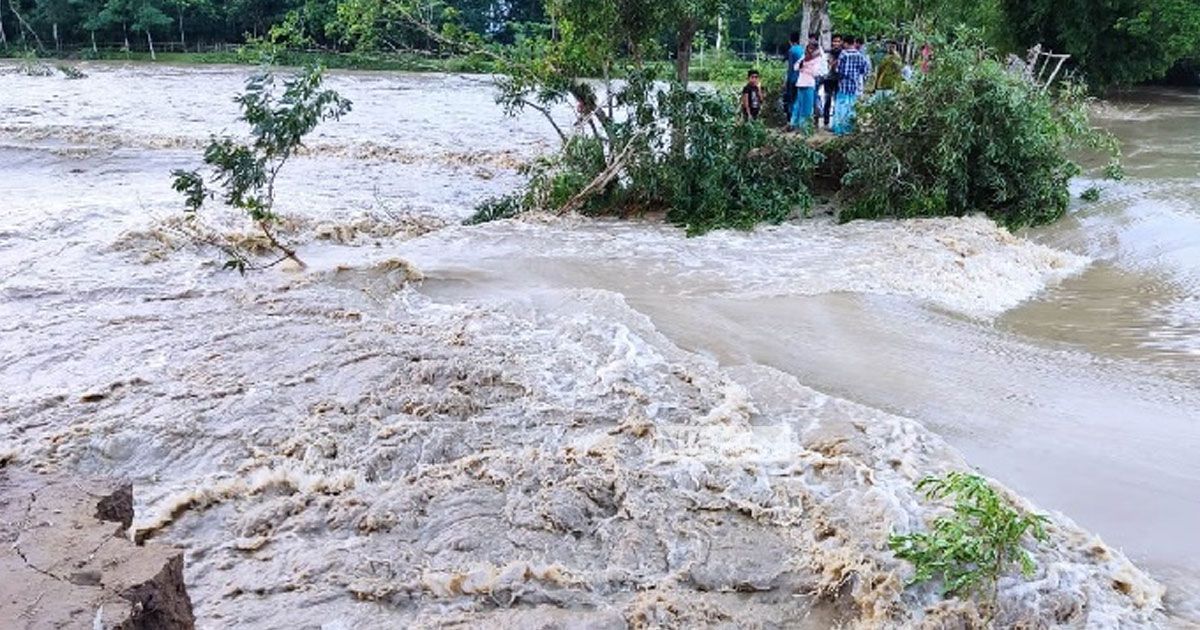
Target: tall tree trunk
{"x":683,"y":49}
{"x":683,"y":64}
{"x":182,"y":40}
{"x":806,"y":12}
{"x":826,"y":24}
{"x":25,"y":25}
{"x":57,"y":45}
{"x":720,"y":25}
{"x":94,"y":42}
{"x":3,"y":35}
{"x":151,"y":41}
{"x":125,"y":30}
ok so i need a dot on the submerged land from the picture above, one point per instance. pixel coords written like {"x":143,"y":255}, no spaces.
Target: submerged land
{"x":558,"y":420}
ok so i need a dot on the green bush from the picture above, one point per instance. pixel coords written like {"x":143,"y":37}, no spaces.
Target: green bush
{"x":967,"y":137}
{"x":243,"y":172}
{"x":730,"y":174}
{"x":685,"y":153}
{"x":495,"y":208}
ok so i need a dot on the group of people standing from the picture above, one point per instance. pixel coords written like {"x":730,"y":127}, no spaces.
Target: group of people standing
{"x":825,"y":86}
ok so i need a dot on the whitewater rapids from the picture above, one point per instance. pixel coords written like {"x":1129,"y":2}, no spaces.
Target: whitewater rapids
{"x":435,"y":425}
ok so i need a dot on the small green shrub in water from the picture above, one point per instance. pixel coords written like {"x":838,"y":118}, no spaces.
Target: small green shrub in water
{"x":972,"y":548}
{"x":968,"y":137}
{"x":1091,"y":195}
{"x":32,"y":66}
{"x":494,"y":209}
{"x":1114,"y":171}
{"x":71,"y":72}
{"x":245,"y":173}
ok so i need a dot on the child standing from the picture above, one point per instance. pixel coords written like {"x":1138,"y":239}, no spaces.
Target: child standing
{"x":752,"y":96}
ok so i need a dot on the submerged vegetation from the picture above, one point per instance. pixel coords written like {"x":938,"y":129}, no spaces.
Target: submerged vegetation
{"x":969,"y":136}
{"x":245,"y":173}
{"x":724,"y":174}
{"x":981,"y":541}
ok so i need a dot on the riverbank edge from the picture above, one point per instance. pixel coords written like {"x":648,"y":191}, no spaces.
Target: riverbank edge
{"x":372,"y":62}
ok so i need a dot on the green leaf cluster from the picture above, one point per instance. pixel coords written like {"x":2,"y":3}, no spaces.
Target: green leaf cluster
{"x":969,"y":136}
{"x":244,"y":173}
{"x":726,"y":173}
{"x":1111,"y":41}
{"x":978,"y":543}
{"x":730,"y":174}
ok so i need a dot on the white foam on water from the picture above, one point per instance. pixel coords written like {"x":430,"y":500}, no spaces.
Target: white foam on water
{"x":968,"y":265}
{"x":334,"y":446}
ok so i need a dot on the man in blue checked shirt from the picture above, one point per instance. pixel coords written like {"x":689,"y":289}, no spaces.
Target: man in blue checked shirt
{"x":853,"y":68}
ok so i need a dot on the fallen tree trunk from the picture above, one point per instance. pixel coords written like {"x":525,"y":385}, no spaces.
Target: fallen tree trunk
{"x":602,"y":180}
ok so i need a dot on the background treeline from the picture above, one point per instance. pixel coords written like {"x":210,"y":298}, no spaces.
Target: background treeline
{"x":1112,"y":41}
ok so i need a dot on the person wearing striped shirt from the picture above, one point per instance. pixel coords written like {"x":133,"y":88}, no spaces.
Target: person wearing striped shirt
{"x":853,"y":69}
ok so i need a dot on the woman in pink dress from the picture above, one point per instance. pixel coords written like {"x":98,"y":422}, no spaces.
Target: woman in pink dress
{"x":806,"y":88}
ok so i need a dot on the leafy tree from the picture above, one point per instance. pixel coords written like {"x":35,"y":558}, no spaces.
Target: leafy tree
{"x":246,"y":172}
{"x":148,"y":16}
{"x":89,"y":12}
{"x":1112,"y":41}
{"x":140,"y":15}
{"x":690,"y":16}
{"x":23,"y":25}
{"x":117,"y":12}
{"x":185,"y":7}
{"x":59,"y":14}
{"x":256,"y":16}
{"x":967,"y":137}
{"x":722,"y":174}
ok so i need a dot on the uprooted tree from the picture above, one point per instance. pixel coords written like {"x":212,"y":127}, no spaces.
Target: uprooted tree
{"x":244,"y":173}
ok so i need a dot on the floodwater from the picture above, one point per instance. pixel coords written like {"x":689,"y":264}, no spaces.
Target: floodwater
{"x":436,"y":424}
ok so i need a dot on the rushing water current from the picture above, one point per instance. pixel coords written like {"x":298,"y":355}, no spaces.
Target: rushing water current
{"x":555,"y":420}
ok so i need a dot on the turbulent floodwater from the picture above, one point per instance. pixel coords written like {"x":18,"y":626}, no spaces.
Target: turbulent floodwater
{"x":561,"y":421}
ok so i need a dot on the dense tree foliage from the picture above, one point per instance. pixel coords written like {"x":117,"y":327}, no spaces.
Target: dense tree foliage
{"x":328,"y":24}
{"x":1113,"y":41}
{"x":969,"y":136}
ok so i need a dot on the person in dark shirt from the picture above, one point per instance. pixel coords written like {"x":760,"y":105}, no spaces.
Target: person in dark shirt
{"x":752,"y":96}
{"x":830,"y":85}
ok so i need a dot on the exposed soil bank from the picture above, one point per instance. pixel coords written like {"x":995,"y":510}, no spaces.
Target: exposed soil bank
{"x":67,"y":561}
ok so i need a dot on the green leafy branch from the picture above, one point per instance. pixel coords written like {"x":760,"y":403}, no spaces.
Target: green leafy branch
{"x":245,"y":173}
{"x":977,"y":544}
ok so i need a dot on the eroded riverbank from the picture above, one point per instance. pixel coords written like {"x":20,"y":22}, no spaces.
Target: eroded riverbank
{"x":561,"y":417}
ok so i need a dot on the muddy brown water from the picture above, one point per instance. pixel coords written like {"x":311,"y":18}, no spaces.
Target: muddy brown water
{"x":1065,"y":364}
